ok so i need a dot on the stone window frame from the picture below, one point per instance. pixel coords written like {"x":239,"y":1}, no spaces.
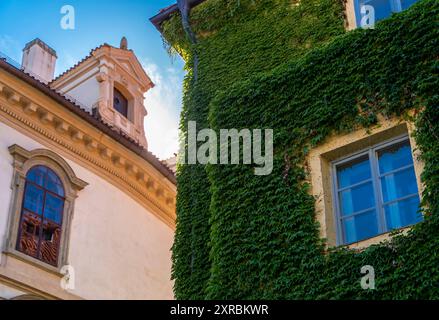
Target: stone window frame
{"x":370,"y":152}
{"x":319,"y":162}
{"x":23,"y":161}
{"x":351,"y":19}
{"x":127,"y":94}
{"x":117,"y":94}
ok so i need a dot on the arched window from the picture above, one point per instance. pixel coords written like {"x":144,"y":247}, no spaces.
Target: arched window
{"x":41,"y":215}
{"x":120,"y":103}
{"x":44,"y":190}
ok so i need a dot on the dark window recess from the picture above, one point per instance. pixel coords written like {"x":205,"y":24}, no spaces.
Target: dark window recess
{"x":120,"y":103}
{"x":40,"y":227}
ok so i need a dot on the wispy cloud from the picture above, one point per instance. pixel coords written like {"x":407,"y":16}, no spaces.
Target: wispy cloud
{"x":163,"y":104}
{"x":65,"y":61}
{"x":10,"y":47}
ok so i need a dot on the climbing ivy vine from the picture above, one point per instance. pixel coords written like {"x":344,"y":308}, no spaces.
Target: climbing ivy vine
{"x":290,"y":66}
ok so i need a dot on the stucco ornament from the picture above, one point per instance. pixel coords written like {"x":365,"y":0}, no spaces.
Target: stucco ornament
{"x":124,"y":43}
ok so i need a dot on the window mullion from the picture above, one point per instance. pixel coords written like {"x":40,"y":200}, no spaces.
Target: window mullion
{"x":41,"y":226}
{"x":340,"y":236}
{"x":377,"y":190}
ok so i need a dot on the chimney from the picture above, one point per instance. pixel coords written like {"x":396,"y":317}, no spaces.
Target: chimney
{"x":39,"y":60}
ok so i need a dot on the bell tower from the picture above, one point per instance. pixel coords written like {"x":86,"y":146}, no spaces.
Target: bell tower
{"x":111,"y":83}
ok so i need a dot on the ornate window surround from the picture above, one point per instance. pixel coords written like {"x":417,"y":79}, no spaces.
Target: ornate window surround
{"x":117,"y":94}
{"x":128,"y":95}
{"x":23,"y":161}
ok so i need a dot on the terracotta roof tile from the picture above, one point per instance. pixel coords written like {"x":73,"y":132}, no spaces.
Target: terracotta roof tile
{"x":80,"y":62}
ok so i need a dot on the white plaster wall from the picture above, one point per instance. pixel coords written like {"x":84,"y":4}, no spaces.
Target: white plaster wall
{"x":86,"y":92}
{"x":5,"y":183}
{"x":118,"y":249}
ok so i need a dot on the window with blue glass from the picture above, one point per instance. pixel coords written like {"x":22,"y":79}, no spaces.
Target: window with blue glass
{"x":376,"y":192}
{"x":41,"y":215}
{"x":382,"y":8}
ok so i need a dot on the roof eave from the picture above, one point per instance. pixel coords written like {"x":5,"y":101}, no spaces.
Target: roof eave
{"x":166,"y":13}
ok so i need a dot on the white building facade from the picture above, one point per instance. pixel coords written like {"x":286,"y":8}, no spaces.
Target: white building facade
{"x":86,"y":212}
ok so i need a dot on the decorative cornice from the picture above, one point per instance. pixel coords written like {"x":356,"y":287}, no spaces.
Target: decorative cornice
{"x":76,"y":109}
{"x":18,"y":285}
{"x":117,"y":164}
{"x":107,"y":54}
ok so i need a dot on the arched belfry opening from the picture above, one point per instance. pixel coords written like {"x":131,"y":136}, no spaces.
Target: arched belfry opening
{"x":120,"y":102}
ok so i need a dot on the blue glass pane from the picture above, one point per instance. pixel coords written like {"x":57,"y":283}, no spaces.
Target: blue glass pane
{"x":407,"y":3}
{"x":399,"y":184}
{"x":356,"y":199}
{"x":353,"y":172}
{"x":395,"y":157}
{"x":53,"y":208}
{"x":54,"y":183}
{"x":37,"y":175}
{"x":360,"y":227}
{"x":382,"y":9}
{"x":33,"y":199}
{"x":403,"y":213}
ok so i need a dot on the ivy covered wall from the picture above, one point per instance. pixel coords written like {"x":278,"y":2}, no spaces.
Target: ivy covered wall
{"x":275,"y":64}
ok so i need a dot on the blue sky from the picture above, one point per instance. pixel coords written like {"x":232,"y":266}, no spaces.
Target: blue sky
{"x":96,"y":22}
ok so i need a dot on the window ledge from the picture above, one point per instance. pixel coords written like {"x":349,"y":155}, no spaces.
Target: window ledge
{"x":34,"y":262}
{"x":363,"y":244}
